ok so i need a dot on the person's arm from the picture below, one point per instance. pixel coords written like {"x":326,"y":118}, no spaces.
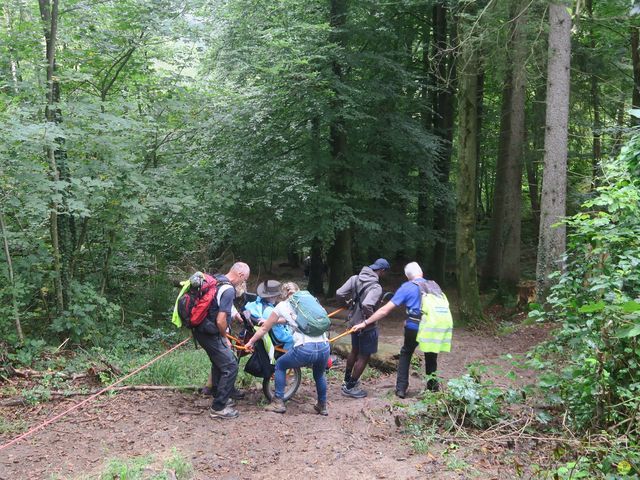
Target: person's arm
{"x":225,"y":304}
{"x":221,"y":323}
{"x":344,"y":292}
{"x":381,"y":313}
{"x":262,"y":331}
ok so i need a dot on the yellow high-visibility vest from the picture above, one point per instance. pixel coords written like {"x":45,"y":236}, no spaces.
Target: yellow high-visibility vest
{"x":436,"y":325}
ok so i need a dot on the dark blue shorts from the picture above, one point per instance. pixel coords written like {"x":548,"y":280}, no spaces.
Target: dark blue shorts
{"x":365,"y":341}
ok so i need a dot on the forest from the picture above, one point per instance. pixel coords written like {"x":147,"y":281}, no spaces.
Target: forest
{"x":493,"y":142}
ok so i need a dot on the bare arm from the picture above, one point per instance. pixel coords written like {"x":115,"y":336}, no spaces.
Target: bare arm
{"x":264,"y":328}
{"x":381,"y":313}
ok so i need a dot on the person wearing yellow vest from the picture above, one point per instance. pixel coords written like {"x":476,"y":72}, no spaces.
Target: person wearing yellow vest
{"x":428,"y":325}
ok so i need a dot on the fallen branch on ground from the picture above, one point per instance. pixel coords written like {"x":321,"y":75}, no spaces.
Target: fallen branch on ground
{"x":61,"y":394}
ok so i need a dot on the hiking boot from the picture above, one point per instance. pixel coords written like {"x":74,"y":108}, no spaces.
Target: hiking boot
{"x":237,"y":394}
{"x":401,"y":393}
{"x":208,"y":391}
{"x":353,"y":392}
{"x":276,"y":406}
{"x":226,"y":412}
{"x":231,"y":403}
{"x":321,"y":408}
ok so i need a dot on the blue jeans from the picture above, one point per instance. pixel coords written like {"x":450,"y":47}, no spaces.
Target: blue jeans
{"x":315,"y":355}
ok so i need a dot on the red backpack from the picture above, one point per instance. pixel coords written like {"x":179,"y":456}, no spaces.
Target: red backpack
{"x":193,"y":305}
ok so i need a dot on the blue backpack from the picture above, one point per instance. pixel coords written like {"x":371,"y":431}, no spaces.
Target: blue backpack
{"x":311,"y":317}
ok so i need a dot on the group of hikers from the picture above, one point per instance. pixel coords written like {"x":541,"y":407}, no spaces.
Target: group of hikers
{"x":275,"y":310}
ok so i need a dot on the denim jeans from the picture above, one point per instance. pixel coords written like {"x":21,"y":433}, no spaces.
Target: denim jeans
{"x":314,"y":355}
{"x":406,"y":352}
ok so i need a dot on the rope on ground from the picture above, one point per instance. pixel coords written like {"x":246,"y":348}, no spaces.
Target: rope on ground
{"x":87,"y":400}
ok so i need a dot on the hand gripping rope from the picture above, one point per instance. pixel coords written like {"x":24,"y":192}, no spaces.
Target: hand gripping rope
{"x":30,"y":432}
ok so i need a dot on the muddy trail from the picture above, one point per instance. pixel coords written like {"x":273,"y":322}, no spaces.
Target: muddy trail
{"x":361,"y":438}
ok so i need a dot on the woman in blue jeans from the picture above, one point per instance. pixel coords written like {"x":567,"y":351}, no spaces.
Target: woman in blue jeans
{"x":306,"y":351}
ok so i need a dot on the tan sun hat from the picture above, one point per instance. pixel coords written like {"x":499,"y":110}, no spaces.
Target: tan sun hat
{"x":269,"y":289}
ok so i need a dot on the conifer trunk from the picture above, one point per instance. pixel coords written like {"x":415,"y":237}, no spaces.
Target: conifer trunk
{"x":552,"y":240}
{"x":443,"y":127}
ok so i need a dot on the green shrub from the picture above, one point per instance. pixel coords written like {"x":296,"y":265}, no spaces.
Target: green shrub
{"x":591,"y":365}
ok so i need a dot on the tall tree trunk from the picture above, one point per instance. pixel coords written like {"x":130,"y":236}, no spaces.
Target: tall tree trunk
{"x":509,"y":274}
{"x":316,"y":265}
{"x":444,"y":129}
{"x":595,"y":103}
{"x":470,"y":308}
{"x":491,"y":269}
{"x":552,"y":242}
{"x":49,"y":15}
{"x":533,"y":157}
{"x":316,"y":268}
{"x":635,"y":61}
{"x":339,"y":255}
{"x":481,"y":166}
{"x":12,"y":283}
{"x":620,"y":126}
{"x":428,"y":106}
{"x":16,"y":76}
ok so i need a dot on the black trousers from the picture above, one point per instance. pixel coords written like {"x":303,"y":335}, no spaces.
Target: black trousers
{"x":224,"y":367}
{"x":406,"y":352}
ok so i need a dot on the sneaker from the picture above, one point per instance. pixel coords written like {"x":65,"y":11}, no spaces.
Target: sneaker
{"x":276,"y":406}
{"x":226,"y":412}
{"x":401,"y":393}
{"x":321,"y":409}
{"x":353,"y":392}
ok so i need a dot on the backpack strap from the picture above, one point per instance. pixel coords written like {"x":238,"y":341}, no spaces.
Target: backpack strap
{"x":360,"y":294}
{"x":422,"y":290}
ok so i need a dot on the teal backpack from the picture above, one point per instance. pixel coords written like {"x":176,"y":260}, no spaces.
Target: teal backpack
{"x":311,"y":317}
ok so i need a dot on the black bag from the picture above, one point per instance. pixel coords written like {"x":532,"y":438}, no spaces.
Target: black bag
{"x":259,"y":364}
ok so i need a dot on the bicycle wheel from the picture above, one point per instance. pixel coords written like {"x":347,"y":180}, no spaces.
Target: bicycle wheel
{"x":294,"y":378}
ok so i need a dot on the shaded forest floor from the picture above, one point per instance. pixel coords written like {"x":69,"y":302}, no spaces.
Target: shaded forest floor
{"x":359,"y":439}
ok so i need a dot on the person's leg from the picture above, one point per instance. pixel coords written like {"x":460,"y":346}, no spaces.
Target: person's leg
{"x":408,"y":347}
{"x":431,"y":366}
{"x":227,"y":366}
{"x":284,"y":363}
{"x":361,"y":363}
{"x":291,"y":359}
{"x":220,"y":361}
{"x":351,"y":358}
{"x":368,"y":344}
{"x":321,"y":356}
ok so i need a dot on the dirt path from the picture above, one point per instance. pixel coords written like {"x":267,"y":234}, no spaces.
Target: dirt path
{"x":359,"y":439}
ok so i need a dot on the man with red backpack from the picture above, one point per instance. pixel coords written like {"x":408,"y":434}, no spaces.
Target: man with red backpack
{"x":211,"y":334}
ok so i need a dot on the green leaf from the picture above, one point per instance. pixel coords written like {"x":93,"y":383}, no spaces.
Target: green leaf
{"x":630,"y":307}
{"x":628,"y":332}
{"x":592,"y":307}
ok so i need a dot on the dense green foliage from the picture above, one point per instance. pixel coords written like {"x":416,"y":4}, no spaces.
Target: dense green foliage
{"x":160,"y":137}
{"x":597,"y":301}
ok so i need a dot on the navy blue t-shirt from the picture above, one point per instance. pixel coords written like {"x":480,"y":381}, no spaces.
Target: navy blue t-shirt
{"x":409,"y":295}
